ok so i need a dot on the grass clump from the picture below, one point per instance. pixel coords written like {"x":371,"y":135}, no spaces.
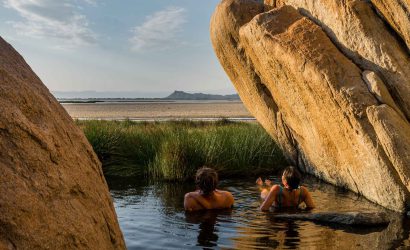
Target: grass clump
{"x":174,"y":150}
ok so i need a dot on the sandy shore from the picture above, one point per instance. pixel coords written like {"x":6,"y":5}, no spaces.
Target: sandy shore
{"x":146,"y":111}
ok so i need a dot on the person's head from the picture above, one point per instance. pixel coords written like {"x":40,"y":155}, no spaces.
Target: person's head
{"x":291,"y":178}
{"x":206,"y":180}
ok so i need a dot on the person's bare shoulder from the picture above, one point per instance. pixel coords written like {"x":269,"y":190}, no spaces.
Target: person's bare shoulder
{"x":223,"y":191}
{"x":187,"y":197}
{"x":275,"y":188}
{"x":190,"y":201}
{"x":304,"y":189}
{"x":307,"y":197}
{"x":228,"y":197}
{"x":191,"y":195}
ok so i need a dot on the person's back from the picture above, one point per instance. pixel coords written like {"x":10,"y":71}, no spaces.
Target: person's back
{"x":291,"y":195}
{"x":207,"y":196}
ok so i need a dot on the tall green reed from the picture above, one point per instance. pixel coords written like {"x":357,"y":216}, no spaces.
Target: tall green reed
{"x":174,"y":150}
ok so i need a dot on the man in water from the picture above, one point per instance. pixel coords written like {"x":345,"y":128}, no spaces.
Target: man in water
{"x":207,"y":196}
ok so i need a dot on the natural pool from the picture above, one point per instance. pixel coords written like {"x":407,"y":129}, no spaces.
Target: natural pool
{"x":151,"y":216}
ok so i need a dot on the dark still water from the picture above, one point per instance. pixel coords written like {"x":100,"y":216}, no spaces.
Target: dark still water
{"x":151,"y":216}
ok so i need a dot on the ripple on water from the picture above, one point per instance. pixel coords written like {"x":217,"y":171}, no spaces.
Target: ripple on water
{"x":152,"y":217}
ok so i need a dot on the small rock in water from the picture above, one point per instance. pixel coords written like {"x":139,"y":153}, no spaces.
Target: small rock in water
{"x":346,"y":218}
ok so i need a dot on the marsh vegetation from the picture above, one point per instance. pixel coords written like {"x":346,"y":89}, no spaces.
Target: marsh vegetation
{"x":174,"y":150}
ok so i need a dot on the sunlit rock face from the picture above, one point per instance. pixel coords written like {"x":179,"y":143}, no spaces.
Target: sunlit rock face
{"x":329,"y":80}
{"x":53,"y":192}
{"x":396,"y":13}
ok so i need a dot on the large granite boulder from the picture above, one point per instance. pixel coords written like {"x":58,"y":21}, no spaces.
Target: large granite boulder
{"x":53,"y":192}
{"x":330,"y":82}
{"x":356,"y":29}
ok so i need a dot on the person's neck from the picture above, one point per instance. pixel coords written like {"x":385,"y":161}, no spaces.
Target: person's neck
{"x":207,"y":195}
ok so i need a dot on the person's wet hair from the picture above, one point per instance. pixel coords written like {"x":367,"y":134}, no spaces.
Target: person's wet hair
{"x":206,"y":180}
{"x":292,"y":177}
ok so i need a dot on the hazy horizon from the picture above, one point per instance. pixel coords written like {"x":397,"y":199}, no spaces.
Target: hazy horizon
{"x":126,"y":94}
{"x":149,"y":47}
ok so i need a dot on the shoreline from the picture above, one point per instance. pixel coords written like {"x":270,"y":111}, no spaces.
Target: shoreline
{"x":206,"y":111}
{"x":165,"y":119}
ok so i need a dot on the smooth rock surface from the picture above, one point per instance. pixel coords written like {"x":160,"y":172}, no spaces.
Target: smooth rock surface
{"x":317,"y":99}
{"x":229,"y":16}
{"x":377,"y":87}
{"x":53,"y":192}
{"x":357,"y":30}
{"x":347,"y":218}
{"x":393,"y":133}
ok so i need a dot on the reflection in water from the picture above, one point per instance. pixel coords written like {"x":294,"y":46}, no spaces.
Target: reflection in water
{"x":292,"y":235}
{"x":207,"y":221}
{"x":151,"y":216}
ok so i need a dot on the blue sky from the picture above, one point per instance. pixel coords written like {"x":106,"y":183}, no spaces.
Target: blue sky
{"x":147,"y":46}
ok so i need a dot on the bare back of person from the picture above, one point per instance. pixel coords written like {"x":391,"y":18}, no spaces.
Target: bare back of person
{"x":207,"y":196}
{"x":219,"y":199}
{"x":291,"y":195}
{"x":284,"y":197}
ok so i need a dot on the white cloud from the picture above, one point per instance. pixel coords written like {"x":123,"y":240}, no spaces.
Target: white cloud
{"x":93,"y":2}
{"x":160,"y":30}
{"x":55,"y":19}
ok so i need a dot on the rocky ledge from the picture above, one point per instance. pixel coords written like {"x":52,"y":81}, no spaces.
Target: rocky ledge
{"x":360,"y":219}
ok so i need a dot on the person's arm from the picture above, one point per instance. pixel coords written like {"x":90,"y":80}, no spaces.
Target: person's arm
{"x":267,"y":203}
{"x":308,"y":199}
{"x":264,"y":193}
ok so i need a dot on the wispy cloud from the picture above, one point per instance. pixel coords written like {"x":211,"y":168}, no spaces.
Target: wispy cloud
{"x":159,"y":30}
{"x":55,"y":19}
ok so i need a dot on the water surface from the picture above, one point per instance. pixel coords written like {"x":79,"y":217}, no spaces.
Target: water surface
{"x":151,"y":216}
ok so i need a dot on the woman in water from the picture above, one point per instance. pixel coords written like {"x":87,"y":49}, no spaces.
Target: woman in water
{"x":288,"y":196}
{"x":207,"y":196}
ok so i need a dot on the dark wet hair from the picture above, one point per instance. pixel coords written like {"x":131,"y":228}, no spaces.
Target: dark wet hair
{"x":206,"y":180}
{"x":292,"y":177}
